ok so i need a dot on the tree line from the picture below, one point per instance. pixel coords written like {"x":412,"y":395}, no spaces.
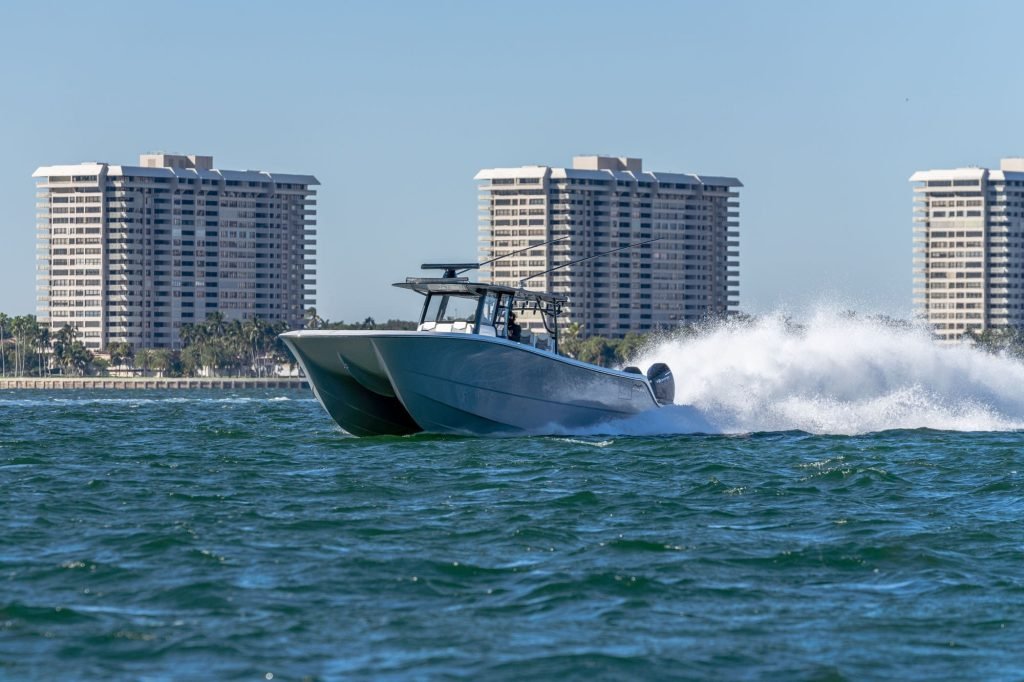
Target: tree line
{"x":314,"y":321}
{"x":214,"y":347}
{"x":1000,"y":341}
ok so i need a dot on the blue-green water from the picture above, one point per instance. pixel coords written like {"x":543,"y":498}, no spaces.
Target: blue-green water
{"x":210,"y":535}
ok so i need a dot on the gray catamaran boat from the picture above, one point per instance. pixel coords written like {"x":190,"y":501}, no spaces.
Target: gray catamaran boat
{"x":461,"y":373}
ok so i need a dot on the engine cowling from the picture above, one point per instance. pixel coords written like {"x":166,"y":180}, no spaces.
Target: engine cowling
{"x":662,"y":382}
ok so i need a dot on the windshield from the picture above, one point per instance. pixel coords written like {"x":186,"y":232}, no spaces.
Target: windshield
{"x":456,"y":308}
{"x":446,"y":308}
{"x":489,"y":311}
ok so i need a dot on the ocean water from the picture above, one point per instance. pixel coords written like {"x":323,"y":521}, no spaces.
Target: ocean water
{"x":852,"y":510}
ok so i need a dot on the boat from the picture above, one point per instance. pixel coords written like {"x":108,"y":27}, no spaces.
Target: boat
{"x":467,"y":370}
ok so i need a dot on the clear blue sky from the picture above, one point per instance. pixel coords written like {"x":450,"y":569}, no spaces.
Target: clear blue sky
{"x":823,"y":110}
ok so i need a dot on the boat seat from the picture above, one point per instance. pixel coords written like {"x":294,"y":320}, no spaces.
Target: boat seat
{"x":488,"y":330}
{"x":426,"y":327}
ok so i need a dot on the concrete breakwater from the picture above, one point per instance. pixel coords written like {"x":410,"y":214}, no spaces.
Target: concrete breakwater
{"x":149,"y":383}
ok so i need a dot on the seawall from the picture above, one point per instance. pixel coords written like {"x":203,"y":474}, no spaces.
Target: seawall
{"x":148,"y":383}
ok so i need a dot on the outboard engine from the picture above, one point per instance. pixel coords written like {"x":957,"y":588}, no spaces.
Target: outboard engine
{"x":662,"y":382}
{"x":632,"y":370}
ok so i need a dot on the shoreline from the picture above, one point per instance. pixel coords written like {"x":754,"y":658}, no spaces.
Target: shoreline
{"x":149,"y":383}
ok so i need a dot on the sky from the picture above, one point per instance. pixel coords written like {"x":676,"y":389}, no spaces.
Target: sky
{"x":822,"y":110}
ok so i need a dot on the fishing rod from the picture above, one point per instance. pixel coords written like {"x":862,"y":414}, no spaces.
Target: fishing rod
{"x":580,"y":260}
{"x":512,"y":253}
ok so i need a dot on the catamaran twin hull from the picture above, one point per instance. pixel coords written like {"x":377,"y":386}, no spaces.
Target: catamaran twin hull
{"x":379,"y":383}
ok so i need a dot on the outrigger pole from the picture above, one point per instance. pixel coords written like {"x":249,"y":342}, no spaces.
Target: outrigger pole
{"x":451,"y":268}
{"x":512,"y":253}
{"x":580,"y":260}
{"x":554,"y":332}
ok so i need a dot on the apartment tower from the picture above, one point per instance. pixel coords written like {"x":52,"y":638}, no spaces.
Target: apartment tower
{"x":969,"y":248}
{"x":130,"y":253}
{"x":602,"y":203}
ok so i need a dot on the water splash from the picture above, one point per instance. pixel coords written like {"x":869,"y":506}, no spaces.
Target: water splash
{"x":835,"y":375}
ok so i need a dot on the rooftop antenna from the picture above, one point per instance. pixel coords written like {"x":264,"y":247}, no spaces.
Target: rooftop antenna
{"x":580,"y":260}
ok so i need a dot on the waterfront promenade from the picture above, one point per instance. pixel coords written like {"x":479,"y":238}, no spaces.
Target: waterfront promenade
{"x":149,"y":383}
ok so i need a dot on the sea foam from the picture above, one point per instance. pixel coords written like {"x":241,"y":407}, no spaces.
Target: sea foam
{"x":836,"y":374}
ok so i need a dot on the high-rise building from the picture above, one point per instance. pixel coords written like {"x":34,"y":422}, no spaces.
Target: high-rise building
{"x":969,"y":248}
{"x":130,"y":253}
{"x":600,"y":204}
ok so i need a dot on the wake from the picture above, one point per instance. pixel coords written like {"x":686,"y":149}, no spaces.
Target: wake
{"x":836,"y":375}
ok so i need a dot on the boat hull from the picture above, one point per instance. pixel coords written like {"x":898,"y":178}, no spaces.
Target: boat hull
{"x":375,"y":383}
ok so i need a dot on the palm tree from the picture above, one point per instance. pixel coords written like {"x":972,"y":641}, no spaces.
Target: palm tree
{"x":191,"y":361}
{"x":569,"y":342}
{"x":215,"y":324}
{"x":79,"y":357}
{"x":63,"y":341}
{"x":189,"y":334}
{"x":41,"y":338}
{"x":18,"y":328}
{"x":235,"y":345}
{"x":4,"y":321}
{"x":259,"y":336}
{"x":630,"y":347}
{"x":120,"y":351}
{"x":213,"y":355}
{"x":144,"y":359}
{"x":162,"y":360}
{"x":30,"y":340}
{"x":597,"y":350}
{"x":279,"y":352}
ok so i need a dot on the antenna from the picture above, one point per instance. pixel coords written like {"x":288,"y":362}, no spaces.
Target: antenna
{"x":512,"y":253}
{"x":580,"y":260}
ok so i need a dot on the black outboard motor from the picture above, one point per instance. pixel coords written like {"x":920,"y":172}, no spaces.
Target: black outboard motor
{"x":662,"y":382}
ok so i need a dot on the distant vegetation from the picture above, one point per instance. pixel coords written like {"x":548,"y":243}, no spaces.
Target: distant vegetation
{"x":1008,"y":341}
{"x":314,"y":321}
{"x":214,"y":347}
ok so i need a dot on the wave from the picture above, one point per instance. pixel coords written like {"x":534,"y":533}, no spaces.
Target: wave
{"x":835,"y":375}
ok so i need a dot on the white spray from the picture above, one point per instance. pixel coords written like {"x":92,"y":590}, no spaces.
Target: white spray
{"x":835,"y":375}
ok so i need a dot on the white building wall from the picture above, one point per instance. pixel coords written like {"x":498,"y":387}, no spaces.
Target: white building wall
{"x":130,"y":253}
{"x":969,"y":248}
{"x":600,"y":204}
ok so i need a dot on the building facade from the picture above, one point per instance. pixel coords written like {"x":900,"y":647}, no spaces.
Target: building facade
{"x":969,"y":248}
{"x":130,"y":253}
{"x":600,"y":204}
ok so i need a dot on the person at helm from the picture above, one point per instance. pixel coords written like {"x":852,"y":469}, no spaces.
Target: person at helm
{"x":515,"y":332}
